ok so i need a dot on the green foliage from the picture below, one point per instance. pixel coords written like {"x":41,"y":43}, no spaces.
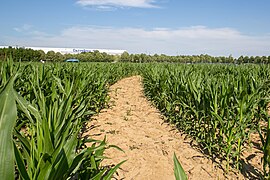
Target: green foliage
{"x":8,"y":113}
{"x":24,"y":54}
{"x":218,"y":105}
{"x":49,"y":109}
{"x":178,"y":170}
{"x":265,"y":139}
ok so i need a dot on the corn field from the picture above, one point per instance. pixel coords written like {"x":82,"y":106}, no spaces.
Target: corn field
{"x":218,"y":105}
{"x":43,"y":108}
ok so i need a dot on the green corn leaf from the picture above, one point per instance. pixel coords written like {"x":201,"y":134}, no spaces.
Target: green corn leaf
{"x":99,"y":175}
{"x":24,"y":141}
{"x":77,"y":161}
{"x":61,"y":160}
{"x":8,"y":115}
{"x":178,"y":169}
{"x":20,"y":163}
{"x":116,"y":147}
{"x":28,"y":109}
{"x":109,"y":175}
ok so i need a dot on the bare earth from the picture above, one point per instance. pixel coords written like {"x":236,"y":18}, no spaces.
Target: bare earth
{"x":134,"y":125}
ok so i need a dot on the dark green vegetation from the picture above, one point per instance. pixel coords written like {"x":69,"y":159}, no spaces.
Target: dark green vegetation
{"x":217,"y":105}
{"x":20,"y":54}
{"x":42,"y":112}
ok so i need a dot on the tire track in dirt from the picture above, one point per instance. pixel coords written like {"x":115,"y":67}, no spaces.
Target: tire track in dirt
{"x":134,"y":125}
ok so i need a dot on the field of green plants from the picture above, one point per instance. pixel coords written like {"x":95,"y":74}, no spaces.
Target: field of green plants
{"x":218,"y":105}
{"x":43,"y":108}
{"x":42,"y":112}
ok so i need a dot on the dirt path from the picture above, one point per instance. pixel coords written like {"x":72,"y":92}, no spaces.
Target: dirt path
{"x":137,"y":127}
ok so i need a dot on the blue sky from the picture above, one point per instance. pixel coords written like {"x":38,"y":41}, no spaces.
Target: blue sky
{"x":214,"y":27}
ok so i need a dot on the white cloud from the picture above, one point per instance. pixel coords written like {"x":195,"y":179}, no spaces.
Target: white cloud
{"x":29,"y":30}
{"x":188,"y":40}
{"x":104,"y":4}
{"x":25,"y":27}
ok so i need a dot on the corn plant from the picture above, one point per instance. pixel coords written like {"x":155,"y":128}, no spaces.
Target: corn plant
{"x":52,"y":103}
{"x":8,"y":113}
{"x":215,"y":104}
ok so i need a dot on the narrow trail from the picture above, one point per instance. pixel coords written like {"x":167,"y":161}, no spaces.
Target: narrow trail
{"x":137,"y":127}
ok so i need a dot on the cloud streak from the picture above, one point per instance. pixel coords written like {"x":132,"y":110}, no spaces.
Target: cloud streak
{"x":107,"y":4}
{"x":188,"y":40}
{"x":23,"y":28}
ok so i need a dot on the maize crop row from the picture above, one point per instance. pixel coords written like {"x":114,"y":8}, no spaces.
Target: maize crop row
{"x":43,"y":108}
{"x":218,"y":105}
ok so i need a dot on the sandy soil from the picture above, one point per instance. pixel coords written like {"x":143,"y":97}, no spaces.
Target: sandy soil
{"x":138,"y":128}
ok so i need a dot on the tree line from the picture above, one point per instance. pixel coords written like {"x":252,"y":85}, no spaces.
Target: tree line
{"x":25,"y":54}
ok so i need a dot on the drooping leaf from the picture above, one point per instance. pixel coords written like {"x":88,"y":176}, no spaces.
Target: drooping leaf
{"x":109,"y":175}
{"x":8,"y":115}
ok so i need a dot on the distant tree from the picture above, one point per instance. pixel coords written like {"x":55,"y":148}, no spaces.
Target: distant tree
{"x":230,"y":59}
{"x":42,"y":55}
{"x":125,"y":57}
{"x":240,"y":60}
{"x":251,"y":59}
{"x":58,"y":57}
{"x":50,"y":56}
{"x":69,"y":56}
{"x":257,"y":60}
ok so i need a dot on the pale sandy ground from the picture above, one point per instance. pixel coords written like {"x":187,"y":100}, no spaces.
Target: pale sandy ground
{"x":134,"y":125}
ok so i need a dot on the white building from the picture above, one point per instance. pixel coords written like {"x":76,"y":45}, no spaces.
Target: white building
{"x":70,"y":50}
